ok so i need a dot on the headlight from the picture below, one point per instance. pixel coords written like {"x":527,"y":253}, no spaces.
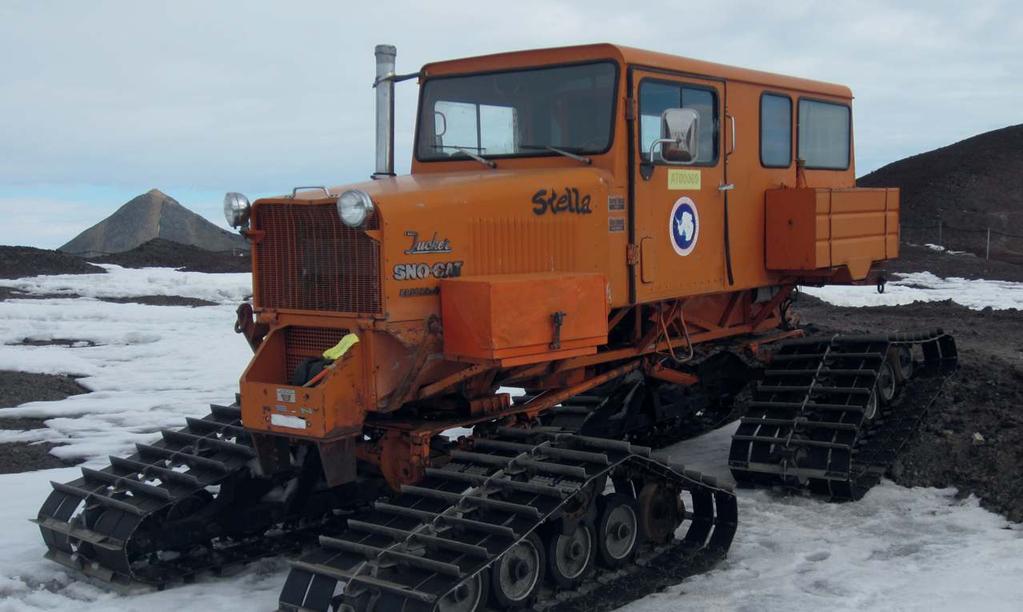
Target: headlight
{"x":236,"y":209}
{"x":354,"y":207}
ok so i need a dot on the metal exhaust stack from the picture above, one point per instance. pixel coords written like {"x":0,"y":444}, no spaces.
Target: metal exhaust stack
{"x":384,"y":85}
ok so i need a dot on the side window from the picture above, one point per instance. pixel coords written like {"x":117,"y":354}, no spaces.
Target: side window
{"x":775,"y":131}
{"x":656,"y":96}
{"x":824,"y":135}
{"x":480,"y":128}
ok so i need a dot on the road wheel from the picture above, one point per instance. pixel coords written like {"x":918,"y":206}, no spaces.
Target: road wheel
{"x":570,"y":556}
{"x":617,"y":530}
{"x":469,"y":596}
{"x":901,"y":358}
{"x":516,"y":576}
{"x":887,"y":384}
{"x":660,"y":513}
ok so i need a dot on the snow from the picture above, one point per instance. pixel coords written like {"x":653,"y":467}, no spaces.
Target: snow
{"x":925,"y":287}
{"x":896,"y":549}
{"x":127,"y":282}
{"x":151,"y":366}
{"x":941,"y":249}
{"x":899,"y":548}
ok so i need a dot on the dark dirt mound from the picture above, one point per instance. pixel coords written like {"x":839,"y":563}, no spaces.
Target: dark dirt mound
{"x":8,"y":293}
{"x":160,"y":300}
{"x":160,"y":253}
{"x":17,"y":388}
{"x":65,"y":342}
{"x":914,"y":258}
{"x":20,"y":262}
{"x":972,"y":184}
{"x":18,"y":457}
{"x":981,"y":174}
{"x":984,"y":397}
{"x":973,"y":437}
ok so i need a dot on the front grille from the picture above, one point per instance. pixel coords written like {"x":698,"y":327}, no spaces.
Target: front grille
{"x":301,"y":343}
{"x":309,"y":260}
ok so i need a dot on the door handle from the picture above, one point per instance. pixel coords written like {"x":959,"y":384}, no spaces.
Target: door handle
{"x":731,"y":119}
{"x":726,"y":187}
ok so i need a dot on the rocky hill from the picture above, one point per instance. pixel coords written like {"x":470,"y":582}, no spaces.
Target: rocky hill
{"x":969,"y":186}
{"x":151,"y":215}
{"x":160,"y":253}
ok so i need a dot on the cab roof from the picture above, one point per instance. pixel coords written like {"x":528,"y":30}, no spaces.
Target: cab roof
{"x":630,"y":56}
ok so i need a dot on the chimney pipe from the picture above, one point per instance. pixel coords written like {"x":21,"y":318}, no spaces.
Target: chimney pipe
{"x":384,"y":85}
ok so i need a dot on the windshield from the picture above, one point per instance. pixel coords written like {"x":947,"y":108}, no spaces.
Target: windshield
{"x":518,"y":113}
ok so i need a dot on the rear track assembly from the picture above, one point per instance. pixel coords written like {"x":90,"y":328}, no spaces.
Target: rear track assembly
{"x":826,"y":416}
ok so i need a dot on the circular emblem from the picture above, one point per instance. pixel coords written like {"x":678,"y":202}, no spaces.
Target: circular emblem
{"x":684,"y":226}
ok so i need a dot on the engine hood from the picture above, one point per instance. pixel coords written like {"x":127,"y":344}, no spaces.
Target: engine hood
{"x":569,"y":191}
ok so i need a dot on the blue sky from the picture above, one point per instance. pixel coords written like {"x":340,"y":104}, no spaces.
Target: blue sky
{"x":102,"y":101}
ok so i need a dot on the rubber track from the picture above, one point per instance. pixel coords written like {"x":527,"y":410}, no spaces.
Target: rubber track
{"x":96,"y":524}
{"x":409,"y":552}
{"x":806,"y":425}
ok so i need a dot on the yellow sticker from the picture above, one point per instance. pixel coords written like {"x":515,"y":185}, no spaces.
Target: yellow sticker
{"x":683,"y":179}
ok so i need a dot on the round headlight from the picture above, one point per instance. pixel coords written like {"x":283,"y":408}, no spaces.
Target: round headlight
{"x":354,"y":207}
{"x":236,"y":209}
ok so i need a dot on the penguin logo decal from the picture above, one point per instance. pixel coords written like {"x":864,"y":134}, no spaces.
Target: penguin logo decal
{"x":684,"y":226}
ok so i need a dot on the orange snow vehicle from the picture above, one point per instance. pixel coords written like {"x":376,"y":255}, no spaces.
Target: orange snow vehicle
{"x":618,"y":232}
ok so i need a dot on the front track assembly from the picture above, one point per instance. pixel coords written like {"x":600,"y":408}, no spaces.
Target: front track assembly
{"x":830,"y":415}
{"x":506,"y":512}
{"x":185,"y":504}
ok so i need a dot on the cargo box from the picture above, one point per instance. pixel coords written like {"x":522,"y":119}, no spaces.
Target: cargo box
{"x":819,"y":230}
{"x":512,"y":318}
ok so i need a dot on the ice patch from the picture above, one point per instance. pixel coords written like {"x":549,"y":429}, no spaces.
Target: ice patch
{"x":925,"y":287}
{"x":130,"y":282}
{"x":941,"y":249}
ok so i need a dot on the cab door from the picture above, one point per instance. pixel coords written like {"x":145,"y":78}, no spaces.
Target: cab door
{"x":678,"y":206}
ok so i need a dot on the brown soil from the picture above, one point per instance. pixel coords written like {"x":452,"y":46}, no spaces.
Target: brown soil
{"x":160,"y":300}
{"x":166,"y":254}
{"x":21,"y":262}
{"x":17,"y":388}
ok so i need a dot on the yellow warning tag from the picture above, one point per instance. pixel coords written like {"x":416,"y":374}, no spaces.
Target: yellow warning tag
{"x":339,"y":349}
{"x":680,"y":179}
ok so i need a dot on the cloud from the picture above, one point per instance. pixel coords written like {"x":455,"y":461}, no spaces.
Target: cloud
{"x":263,"y":96}
{"x":43,"y":222}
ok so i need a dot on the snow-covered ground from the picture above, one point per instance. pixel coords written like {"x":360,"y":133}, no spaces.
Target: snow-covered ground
{"x":899,"y":549}
{"x":926,"y":287}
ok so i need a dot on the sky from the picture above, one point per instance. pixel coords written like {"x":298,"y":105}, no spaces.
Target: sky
{"x":101,"y":101}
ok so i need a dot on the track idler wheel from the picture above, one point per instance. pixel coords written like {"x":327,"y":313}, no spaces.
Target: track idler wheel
{"x":469,"y":596}
{"x":569,"y":556}
{"x":660,"y":513}
{"x":902,"y":363}
{"x":517,"y":575}
{"x":617,"y":530}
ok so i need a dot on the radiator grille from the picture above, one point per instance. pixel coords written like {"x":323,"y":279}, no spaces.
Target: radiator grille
{"x":309,"y":260}
{"x":304,"y":342}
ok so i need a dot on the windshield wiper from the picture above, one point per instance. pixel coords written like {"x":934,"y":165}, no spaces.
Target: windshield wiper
{"x":568,"y":154}
{"x":483,"y":160}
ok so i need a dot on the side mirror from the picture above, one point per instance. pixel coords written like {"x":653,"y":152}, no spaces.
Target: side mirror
{"x":681,"y":128}
{"x":679,"y":143}
{"x":440,"y":127}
